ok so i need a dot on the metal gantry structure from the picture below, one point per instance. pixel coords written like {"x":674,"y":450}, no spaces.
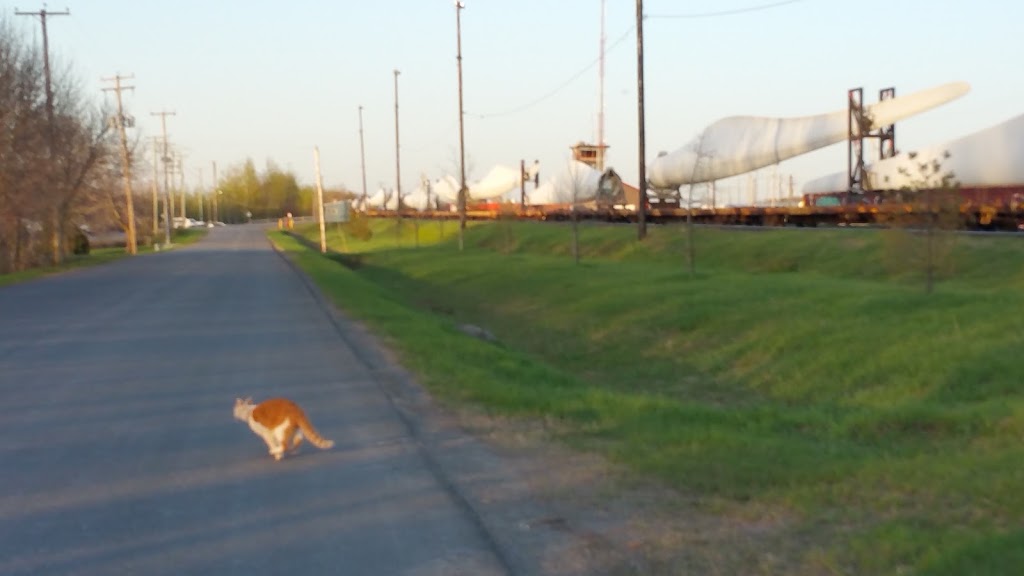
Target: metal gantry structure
{"x":859,"y":128}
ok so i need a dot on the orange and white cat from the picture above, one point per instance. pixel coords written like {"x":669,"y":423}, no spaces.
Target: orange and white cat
{"x":281,"y":424}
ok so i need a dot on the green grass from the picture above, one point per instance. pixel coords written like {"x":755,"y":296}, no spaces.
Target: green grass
{"x":95,"y":257}
{"x":805,"y":372}
{"x":186,"y":236}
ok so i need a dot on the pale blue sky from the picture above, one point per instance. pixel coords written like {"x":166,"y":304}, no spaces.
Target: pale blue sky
{"x":269,"y":80}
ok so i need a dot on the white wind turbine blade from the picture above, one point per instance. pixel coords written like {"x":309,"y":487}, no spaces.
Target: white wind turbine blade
{"x":741,"y":144}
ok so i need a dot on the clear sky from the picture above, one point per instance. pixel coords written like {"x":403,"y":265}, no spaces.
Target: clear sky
{"x":269,"y":80}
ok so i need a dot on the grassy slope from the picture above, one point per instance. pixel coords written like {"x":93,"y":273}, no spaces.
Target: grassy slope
{"x":803,"y":373}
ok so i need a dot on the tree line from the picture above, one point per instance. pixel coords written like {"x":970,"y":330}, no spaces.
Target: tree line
{"x":243,"y":194}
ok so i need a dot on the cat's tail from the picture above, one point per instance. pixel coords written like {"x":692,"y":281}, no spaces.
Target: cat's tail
{"x":314,"y":438}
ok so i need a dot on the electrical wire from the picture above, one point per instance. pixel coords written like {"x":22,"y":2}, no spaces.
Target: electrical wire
{"x":618,"y":41}
{"x":558,"y":88}
{"x":718,"y":13}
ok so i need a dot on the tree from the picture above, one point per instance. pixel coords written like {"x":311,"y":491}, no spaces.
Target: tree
{"x":89,"y":169}
{"x":50,"y":172}
{"x":267,"y":195}
{"x":282,"y":192}
{"x":691,"y":245}
{"x":240,"y":186}
{"x":22,"y":148}
{"x":579,"y":178}
{"x":923,"y":233}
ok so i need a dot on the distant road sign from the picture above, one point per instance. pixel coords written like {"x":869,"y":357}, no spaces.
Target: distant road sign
{"x":336,"y":211}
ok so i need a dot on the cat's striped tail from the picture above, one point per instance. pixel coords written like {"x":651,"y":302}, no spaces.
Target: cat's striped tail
{"x":314,"y":438}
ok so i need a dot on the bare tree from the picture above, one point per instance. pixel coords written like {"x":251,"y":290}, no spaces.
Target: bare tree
{"x":45,"y":167}
{"x":691,"y":245}
{"x":575,"y":189}
{"x":922,"y":236}
{"x":84,"y":160}
{"x":22,"y":148}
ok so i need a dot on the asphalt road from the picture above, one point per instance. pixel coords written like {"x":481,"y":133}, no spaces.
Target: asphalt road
{"x":119,"y":454}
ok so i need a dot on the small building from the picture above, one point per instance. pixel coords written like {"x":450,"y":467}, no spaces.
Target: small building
{"x":590,"y":154}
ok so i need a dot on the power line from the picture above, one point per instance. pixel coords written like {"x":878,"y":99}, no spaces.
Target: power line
{"x":561,"y":86}
{"x":717,"y":13}
{"x":619,"y":40}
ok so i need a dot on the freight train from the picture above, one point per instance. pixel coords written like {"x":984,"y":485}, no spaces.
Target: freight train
{"x":979,"y":208}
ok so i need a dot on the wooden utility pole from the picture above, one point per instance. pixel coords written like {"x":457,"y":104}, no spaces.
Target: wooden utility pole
{"x":57,"y":238}
{"x":199,"y":191}
{"x":522,"y":184}
{"x":43,"y":14}
{"x":320,"y":200}
{"x":156,"y":208}
{"x":600,"y":98}
{"x":362,"y":153}
{"x":181,"y":180}
{"x":216,"y":192}
{"x":459,"y":6}
{"x":398,"y":172}
{"x":398,"y":164}
{"x":168,"y":207}
{"x":120,"y":121}
{"x":641,"y":204}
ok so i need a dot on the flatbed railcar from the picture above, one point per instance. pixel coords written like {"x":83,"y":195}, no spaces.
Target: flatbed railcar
{"x":980,"y":209}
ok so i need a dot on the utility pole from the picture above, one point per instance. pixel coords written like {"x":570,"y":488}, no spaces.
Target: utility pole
{"x":181,"y":180}
{"x":120,"y":120}
{"x":397,"y":167}
{"x":216,"y":191}
{"x":600,"y":98}
{"x":398,"y":170}
{"x":362,"y":152}
{"x":522,"y":184}
{"x":641,"y":204}
{"x":459,"y":6}
{"x":168,"y":207}
{"x":199,"y":191}
{"x":43,"y":14}
{"x":57,"y":239}
{"x":156,"y":208}
{"x":320,"y":200}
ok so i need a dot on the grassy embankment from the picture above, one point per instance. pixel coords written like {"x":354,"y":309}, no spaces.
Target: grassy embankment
{"x":802,"y":375}
{"x":94,"y":257}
